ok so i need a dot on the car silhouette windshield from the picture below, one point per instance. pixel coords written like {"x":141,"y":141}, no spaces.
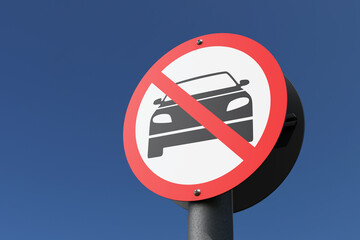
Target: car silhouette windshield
{"x":206,"y":83}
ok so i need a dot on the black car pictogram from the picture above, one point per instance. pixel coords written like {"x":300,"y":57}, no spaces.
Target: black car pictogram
{"x":219,"y":92}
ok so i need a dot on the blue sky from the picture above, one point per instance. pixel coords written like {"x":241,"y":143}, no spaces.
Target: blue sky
{"x":68,"y":70}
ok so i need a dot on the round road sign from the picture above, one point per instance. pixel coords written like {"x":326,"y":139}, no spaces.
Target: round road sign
{"x":205,"y":117}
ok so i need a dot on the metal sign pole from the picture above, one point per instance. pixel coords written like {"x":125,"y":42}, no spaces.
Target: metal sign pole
{"x":211,"y":219}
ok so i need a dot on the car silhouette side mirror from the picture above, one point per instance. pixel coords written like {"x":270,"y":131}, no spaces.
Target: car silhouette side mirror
{"x":244,"y":82}
{"x":157,"y":101}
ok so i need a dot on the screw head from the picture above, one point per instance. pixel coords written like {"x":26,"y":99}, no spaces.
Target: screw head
{"x":199,"y":42}
{"x":197,"y":192}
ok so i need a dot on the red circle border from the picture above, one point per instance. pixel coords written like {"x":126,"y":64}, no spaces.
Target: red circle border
{"x":278,"y":105}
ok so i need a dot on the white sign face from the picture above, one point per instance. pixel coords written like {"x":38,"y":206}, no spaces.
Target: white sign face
{"x":230,"y":84}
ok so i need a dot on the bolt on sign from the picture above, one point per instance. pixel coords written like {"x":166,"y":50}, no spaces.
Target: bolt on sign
{"x":205,"y":117}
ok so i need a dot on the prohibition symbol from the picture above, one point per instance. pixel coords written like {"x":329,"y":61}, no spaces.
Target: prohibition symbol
{"x":205,"y":117}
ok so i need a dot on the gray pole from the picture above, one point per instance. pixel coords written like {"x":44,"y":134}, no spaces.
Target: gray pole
{"x":211,"y":219}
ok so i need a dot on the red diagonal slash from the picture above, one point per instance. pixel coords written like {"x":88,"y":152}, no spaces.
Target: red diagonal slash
{"x":206,"y":118}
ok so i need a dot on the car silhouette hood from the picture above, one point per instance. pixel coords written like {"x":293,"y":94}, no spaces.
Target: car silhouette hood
{"x":204,"y":95}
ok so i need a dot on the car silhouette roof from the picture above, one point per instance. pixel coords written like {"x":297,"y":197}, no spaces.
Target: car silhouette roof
{"x":208,"y":75}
